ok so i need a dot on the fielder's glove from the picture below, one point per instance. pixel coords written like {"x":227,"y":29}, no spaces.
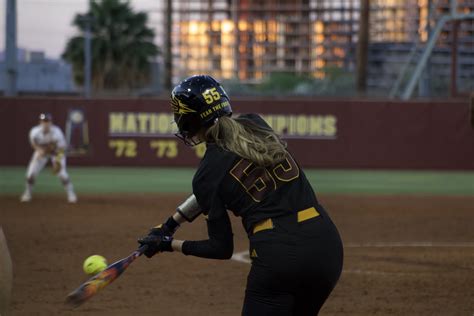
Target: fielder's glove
{"x":56,"y":166}
{"x":57,"y":161}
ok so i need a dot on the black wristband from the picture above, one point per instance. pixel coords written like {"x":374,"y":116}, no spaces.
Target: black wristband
{"x":166,"y":244}
{"x":185,"y":247}
{"x":172,"y":224}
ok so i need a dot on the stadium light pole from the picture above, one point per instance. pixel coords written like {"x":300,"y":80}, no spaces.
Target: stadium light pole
{"x":363,"y":47}
{"x":424,"y":86}
{"x":11,"y":69}
{"x":168,"y":58}
{"x":87,"y":53}
{"x":235,"y":18}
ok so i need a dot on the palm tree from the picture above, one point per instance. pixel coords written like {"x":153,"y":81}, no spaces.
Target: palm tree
{"x":122,"y":46}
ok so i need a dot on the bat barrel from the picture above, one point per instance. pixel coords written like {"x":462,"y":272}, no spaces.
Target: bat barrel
{"x":102,"y":279}
{"x":74,"y":299}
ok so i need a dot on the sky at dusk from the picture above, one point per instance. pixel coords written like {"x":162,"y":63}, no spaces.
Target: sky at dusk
{"x":45,"y":25}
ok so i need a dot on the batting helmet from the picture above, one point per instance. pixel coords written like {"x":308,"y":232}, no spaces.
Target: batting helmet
{"x":198,"y":102}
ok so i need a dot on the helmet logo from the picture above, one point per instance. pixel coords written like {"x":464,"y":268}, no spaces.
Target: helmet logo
{"x":179,"y":107}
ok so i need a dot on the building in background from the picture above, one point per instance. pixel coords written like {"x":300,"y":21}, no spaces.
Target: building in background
{"x":399,"y":32}
{"x":40,"y":75}
{"x":249,"y":40}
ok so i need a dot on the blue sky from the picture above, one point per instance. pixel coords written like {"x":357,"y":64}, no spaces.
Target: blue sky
{"x":45,"y":25}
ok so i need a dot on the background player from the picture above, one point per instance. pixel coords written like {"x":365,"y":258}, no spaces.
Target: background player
{"x":48,"y":143}
{"x":295,"y":248}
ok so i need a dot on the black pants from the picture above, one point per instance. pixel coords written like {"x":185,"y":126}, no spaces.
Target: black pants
{"x":295,"y":266}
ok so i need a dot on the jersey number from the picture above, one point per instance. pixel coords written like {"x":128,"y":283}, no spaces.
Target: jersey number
{"x":258,"y":181}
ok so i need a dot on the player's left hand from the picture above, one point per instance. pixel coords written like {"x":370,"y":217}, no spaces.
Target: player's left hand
{"x":157,"y":241}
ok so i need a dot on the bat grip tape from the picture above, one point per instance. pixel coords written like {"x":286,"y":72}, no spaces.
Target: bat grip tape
{"x":142,"y":249}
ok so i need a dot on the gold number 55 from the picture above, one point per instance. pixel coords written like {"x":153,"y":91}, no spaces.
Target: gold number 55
{"x":211,"y":95}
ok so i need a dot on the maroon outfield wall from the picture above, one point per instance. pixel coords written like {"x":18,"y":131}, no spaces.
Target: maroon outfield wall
{"x":322,"y":134}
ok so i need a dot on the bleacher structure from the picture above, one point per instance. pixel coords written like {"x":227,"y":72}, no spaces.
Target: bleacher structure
{"x":249,"y":39}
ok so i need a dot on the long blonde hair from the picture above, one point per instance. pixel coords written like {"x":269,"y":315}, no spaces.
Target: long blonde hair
{"x":260,"y":145}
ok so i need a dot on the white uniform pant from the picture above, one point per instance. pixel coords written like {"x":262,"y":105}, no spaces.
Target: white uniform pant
{"x":38,"y":162}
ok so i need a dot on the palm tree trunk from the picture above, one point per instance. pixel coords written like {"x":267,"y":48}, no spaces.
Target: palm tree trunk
{"x":363,"y":46}
{"x":168,"y":58}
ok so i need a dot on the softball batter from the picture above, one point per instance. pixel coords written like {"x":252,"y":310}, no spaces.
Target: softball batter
{"x":295,"y":248}
{"x":48,"y":143}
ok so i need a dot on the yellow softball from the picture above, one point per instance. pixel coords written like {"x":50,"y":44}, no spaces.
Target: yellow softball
{"x":94,"y":264}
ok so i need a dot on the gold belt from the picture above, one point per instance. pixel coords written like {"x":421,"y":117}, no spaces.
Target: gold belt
{"x":303,"y":215}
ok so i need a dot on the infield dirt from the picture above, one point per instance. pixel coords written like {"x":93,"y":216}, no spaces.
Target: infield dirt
{"x":422,"y":262}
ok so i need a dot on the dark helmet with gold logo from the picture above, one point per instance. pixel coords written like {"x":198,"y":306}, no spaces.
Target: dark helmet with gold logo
{"x":198,"y":102}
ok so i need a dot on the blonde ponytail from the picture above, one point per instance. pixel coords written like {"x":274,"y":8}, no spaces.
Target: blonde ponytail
{"x":248,"y":140}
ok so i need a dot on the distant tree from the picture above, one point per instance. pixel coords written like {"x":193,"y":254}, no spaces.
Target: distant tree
{"x":282,"y":82}
{"x":122,"y":46}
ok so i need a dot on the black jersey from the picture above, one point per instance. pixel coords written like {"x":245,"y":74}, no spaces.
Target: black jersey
{"x":225,"y":181}
{"x":296,"y":264}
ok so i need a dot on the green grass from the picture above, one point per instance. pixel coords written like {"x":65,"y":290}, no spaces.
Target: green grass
{"x":121,"y":180}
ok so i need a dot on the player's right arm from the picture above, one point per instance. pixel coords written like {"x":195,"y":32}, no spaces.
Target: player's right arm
{"x":220,"y":244}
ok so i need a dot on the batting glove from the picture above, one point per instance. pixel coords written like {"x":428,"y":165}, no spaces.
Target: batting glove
{"x":159,"y":238}
{"x":156,"y":244}
{"x":167,"y":228}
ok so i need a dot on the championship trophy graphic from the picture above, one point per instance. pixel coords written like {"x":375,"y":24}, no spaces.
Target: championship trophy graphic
{"x":77,"y":132}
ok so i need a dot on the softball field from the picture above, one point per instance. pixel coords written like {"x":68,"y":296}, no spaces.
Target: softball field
{"x":409,"y":244}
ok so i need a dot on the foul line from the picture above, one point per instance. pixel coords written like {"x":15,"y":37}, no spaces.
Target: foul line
{"x":243,"y":256}
{"x":414,"y":244}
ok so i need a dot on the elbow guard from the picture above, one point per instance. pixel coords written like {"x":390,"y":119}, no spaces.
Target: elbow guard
{"x":189,"y":209}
